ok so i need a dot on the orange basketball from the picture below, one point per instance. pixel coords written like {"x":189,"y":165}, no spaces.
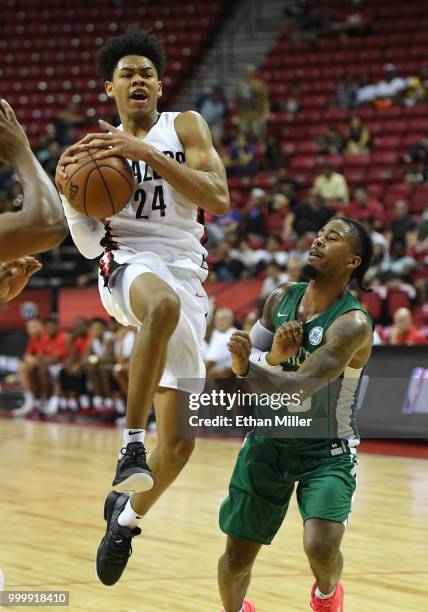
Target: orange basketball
{"x":99,"y":188}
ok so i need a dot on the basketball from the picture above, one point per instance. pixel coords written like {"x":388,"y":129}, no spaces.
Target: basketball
{"x":99,"y":189}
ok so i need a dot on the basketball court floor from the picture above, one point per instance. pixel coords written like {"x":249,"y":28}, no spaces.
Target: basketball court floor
{"x":53,"y":479}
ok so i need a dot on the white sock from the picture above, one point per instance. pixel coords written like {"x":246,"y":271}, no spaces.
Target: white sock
{"x":98,"y":402}
{"x":72,"y":404}
{"x":84,"y":401}
{"x":128,"y":517}
{"x":131,"y":435}
{"x":321,"y":596}
{"x":108,"y":403}
{"x":62,"y":403}
{"x":119,"y":405}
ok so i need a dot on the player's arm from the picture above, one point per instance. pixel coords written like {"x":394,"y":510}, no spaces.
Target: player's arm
{"x":242,"y":344}
{"x":202,"y":180}
{"x":348,"y":343}
{"x":40,"y":225}
{"x":85,"y":231}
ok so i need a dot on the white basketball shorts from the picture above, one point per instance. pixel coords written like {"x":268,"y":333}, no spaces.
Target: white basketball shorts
{"x":185,"y":368}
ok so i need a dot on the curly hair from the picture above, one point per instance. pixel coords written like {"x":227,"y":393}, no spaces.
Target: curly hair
{"x":133,"y":42}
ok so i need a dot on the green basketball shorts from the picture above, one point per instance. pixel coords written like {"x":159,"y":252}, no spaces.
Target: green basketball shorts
{"x":263,"y":481}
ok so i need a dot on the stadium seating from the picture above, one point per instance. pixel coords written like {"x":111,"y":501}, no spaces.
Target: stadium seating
{"x":48,"y":51}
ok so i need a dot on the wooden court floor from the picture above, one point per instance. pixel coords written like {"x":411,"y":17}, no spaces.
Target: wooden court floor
{"x":53,"y":480}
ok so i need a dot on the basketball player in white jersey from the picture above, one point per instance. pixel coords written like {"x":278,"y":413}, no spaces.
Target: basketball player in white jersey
{"x":151,"y":271}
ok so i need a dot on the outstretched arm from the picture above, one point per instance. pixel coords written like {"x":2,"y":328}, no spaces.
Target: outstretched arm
{"x":202,"y":180}
{"x":40,"y":225}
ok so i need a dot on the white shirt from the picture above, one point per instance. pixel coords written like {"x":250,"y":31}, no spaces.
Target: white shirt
{"x":217,"y":352}
{"x":157,"y":218}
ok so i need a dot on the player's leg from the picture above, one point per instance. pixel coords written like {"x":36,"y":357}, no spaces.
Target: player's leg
{"x":325,"y":494}
{"x":157,"y":307}
{"x":321,"y":541}
{"x":234,"y":572}
{"x":259,"y":495}
{"x":171,"y":454}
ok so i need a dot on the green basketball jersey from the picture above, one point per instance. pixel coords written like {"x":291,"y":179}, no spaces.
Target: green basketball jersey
{"x":335,"y":405}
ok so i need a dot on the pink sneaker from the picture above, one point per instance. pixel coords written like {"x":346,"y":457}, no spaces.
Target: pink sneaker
{"x":333,"y":603}
{"x":246,"y":607}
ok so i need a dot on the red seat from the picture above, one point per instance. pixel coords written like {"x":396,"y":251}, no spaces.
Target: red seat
{"x":395,"y":299}
{"x":373,"y":304}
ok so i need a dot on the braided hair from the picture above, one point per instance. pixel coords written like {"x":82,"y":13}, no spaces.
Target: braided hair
{"x":364,"y":248}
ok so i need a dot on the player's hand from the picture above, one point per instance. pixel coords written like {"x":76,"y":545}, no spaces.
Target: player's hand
{"x":115,"y":142}
{"x":66,"y":158}
{"x":286,"y":342}
{"x":13,"y":139}
{"x":15,"y":275}
{"x":239,"y":346}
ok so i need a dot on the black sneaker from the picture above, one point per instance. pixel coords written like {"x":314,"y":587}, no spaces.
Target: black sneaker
{"x":132,"y":472}
{"x":115,"y":548}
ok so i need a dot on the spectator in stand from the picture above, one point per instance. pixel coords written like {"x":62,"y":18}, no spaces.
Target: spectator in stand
{"x":99,"y":364}
{"x":273,"y":158}
{"x":253,"y":214}
{"x":346,"y":93}
{"x":246,"y":255}
{"x":213,"y":107}
{"x":400,"y":266}
{"x":357,"y":138}
{"x":279,"y":216}
{"x":55,"y":352}
{"x":66,"y":122}
{"x":292,"y":100}
{"x":392,"y":88}
{"x":363,"y":207}
{"x":287,"y":185}
{"x":403,"y":227}
{"x":225,"y":266}
{"x":239,"y":157}
{"x":422,"y":237}
{"x":355,"y":21}
{"x":310,"y":216}
{"x":403,"y":332}
{"x":73,"y":380}
{"x":252,"y":104}
{"x":419,"y":154}
{"x":123,"y":346}
{"x":249,"y":321}
{"x":330,"y":143}
{"x":29,"y":366}
{"x":274,"y":276}
{"x":45,"y":355}
{"x":331,"y":186}
{"x":272,"y":251}
{"x":218,"y":360}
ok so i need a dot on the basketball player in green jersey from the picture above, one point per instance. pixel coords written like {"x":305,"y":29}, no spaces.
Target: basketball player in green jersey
{"x":40,"y":225}
{"x":314,"y":337}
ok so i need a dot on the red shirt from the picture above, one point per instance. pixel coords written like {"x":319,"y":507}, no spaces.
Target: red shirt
{"x":80,"y":345}
{"x":412,"y":336}
{"x":35,"y":345}
{"x":44,"y":345}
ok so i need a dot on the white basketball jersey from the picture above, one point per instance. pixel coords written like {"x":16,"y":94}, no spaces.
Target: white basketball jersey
{"x":158,"y":218}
